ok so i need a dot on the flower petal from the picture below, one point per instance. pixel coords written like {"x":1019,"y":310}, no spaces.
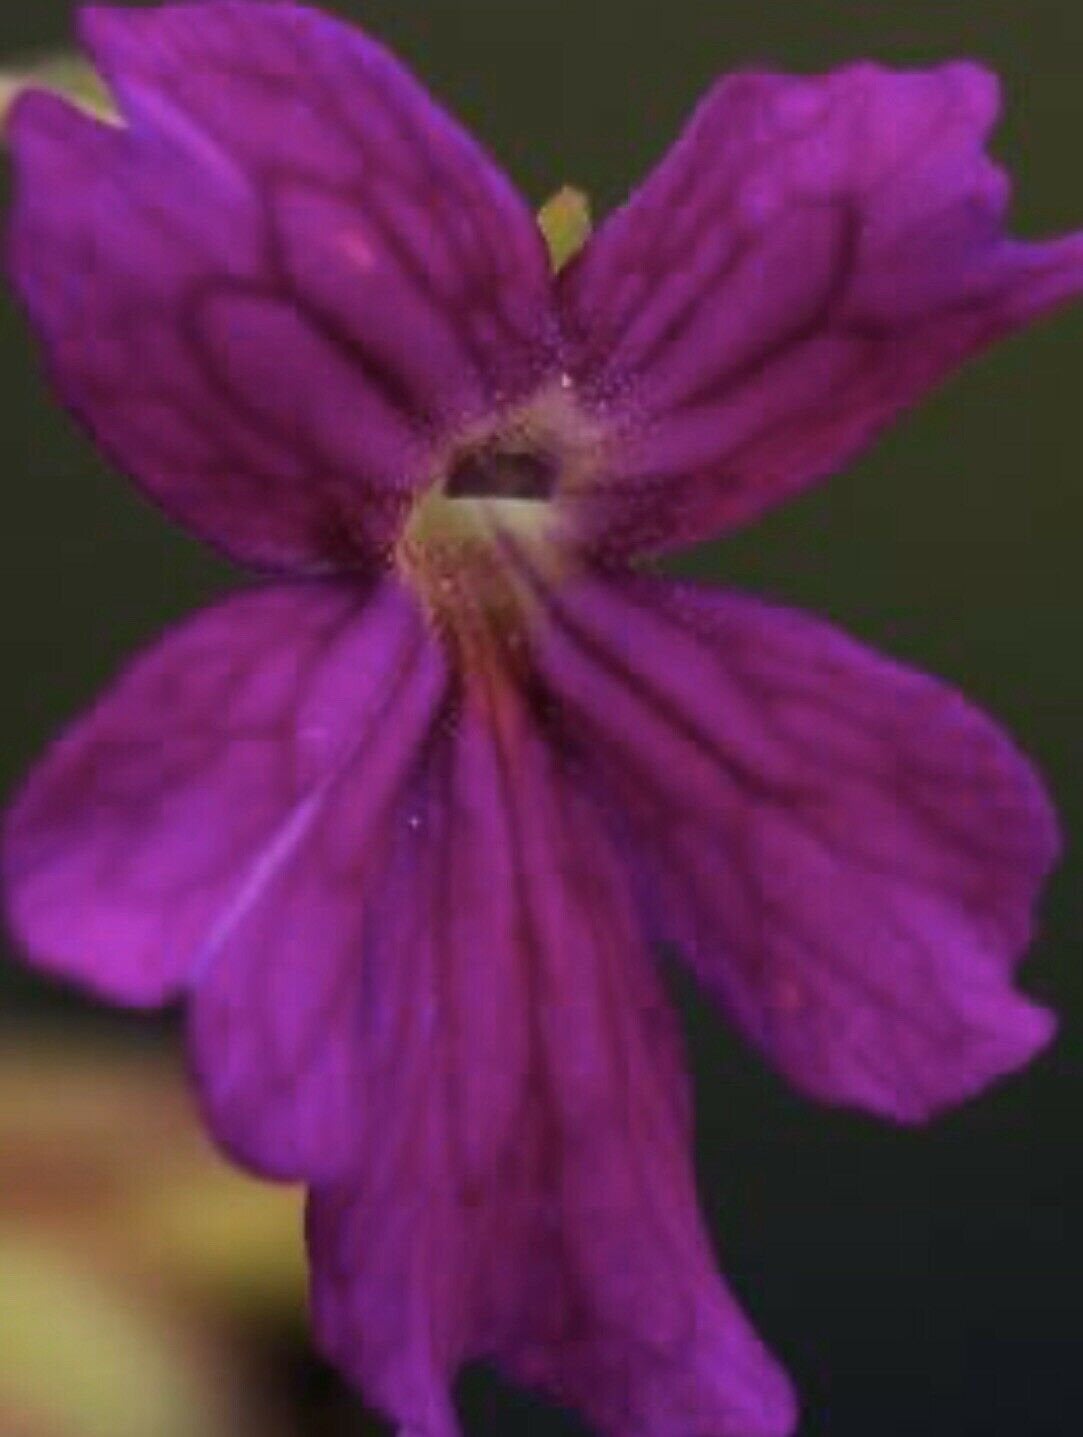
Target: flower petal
{"x":523,"y":1189}
{"x":273,"y":289}
{"x":210,"y":826}
{"x":282,"y":1026}
{"x":810,"y":258}
{"x":845,"y":850}
{"x":158,"y":815}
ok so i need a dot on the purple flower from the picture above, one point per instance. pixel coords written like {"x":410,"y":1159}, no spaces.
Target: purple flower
{"x":404,"y":821}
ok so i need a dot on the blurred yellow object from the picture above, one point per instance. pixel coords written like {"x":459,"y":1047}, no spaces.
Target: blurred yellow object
{"x":227,"y":1237}
{"x":67,"y":75}
{"x":103,"y":1150}
{"x":81,"y":1358}
{"x":564,"y":220}
{"x":132,"y":1255}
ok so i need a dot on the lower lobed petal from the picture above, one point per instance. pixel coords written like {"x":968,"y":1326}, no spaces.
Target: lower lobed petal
{"x":846,"y":853}
{"x":417,"y":982}
{"x":527,"y":1194}
{"x":207,"y":829}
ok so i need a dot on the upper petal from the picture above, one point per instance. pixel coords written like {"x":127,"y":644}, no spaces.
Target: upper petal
{"x":847,"y":853}
{"x":811,"y":257}
{"x":273,"y":289}
{"x":522,"y":1189}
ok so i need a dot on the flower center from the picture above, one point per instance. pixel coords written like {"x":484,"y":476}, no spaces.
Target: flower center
{"x":494,"y":504}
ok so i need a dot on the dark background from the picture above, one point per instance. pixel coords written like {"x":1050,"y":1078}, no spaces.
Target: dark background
{"x":915,"y":1282}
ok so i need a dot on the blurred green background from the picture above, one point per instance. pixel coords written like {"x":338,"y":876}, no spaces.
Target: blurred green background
{"x":915,"y":1282}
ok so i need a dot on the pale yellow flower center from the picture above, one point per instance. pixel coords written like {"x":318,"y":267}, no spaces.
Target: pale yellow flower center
{"x":494,"y":508}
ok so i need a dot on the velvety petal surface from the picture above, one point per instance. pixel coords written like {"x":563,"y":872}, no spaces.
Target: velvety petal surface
{"x":280,"y":1020}
{"x":523,"y":1188}
{"x":274,"y":288}
{"x":845,"y":851}
{"x":206,"y":826}
{"x":811,"y":256}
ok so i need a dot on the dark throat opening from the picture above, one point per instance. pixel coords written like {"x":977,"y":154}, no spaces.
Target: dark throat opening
{"x":493,"y":473}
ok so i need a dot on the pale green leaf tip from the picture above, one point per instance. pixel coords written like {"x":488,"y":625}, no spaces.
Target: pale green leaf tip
{"x":67,"y":75}
{"x":565,"y":222}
